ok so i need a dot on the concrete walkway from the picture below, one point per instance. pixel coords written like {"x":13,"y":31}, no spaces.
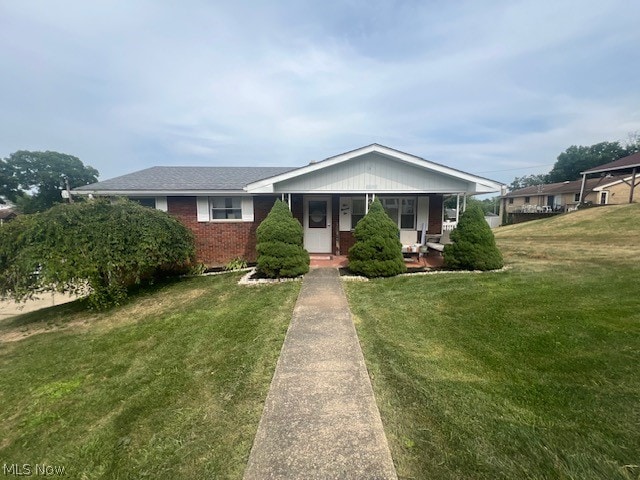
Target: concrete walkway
{"x":320,"y":419}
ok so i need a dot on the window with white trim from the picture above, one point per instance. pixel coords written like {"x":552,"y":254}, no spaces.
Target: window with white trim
{"x":358,"y":205}
{"x":225,"y":208}
{"x":402,"y":210}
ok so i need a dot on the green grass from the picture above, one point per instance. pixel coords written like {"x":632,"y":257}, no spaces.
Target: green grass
{"x":529,"y":373}
{"x":170,"y":385}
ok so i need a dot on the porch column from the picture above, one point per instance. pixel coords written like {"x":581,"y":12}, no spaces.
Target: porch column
{"x":464,"y":202}
{"x":457,"y":207}
{"x":584,"y":181}
{"x":633,"y":185}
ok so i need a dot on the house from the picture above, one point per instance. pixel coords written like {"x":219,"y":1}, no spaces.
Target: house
{"x":627,"y":170}
{"x":565,"y":196}
{"x":224,"y":205}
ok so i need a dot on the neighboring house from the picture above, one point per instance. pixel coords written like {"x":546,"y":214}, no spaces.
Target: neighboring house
{"x":224,"y":205}
{"x":565,"y":196}
{"x":627,"y":169}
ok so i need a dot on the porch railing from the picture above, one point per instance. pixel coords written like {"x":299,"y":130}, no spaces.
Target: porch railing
{"x":448,"y":226}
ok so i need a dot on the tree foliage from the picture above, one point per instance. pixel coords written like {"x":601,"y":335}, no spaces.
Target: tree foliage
{"x":107,"y":247}
{"x":34,"y":180}
{"x":528,"y":181}
{"x":488,"y":205}
{"x":473,"y":245}
{"x":377,"y":251}
{"x":576,"y":159}
{"x":280,"y":244}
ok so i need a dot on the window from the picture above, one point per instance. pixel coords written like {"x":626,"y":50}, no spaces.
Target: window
{"x":576,"y":197}
{"x":402,"y":211}
{"x":527,"y":199}
{"x":408,"y":214}
{"x":226,"y":208}
{"x":317,"y":214}
{"x":145,"y":201}
{"x":357,"y":211}
{"x":511,"y":201}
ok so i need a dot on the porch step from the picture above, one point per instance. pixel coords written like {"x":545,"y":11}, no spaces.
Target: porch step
{"x":320,"y":257}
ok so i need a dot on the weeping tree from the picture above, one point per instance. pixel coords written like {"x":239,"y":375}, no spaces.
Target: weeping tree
{"x":280,"y":244}
{"x":377,"y":251}
{"x":98,"y":248}
{"x":473,"y":245}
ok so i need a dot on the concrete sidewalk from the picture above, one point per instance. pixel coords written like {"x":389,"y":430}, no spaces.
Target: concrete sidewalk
{"x":320,"y":419}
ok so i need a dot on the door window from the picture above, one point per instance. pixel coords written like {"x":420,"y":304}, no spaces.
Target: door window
{"x":317,"y":214}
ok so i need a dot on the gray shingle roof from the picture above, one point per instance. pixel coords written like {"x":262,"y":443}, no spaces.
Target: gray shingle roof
{"x":186,"y":178}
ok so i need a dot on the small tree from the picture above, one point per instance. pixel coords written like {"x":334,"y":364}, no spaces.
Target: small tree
{"x":107,"y":247}
{"x":280,"y":244}
{"x":473,"y":245}
{"x":377,"y":251}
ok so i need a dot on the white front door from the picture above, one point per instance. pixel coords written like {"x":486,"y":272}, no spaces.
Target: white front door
{"x":317,"y":224}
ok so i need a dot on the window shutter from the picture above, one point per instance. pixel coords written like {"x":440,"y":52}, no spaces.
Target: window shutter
{"x":345,"y":214}
{"x":247,"y":209}
{"x":203,"y":209}
{"x":161,"y":204}
{"x":422,"y":215}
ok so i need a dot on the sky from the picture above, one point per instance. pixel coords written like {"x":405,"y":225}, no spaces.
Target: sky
{"x":495,"y":88}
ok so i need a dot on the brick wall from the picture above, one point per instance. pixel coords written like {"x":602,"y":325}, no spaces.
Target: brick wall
{"x":219,"y":242}
{"x":435,"y":214}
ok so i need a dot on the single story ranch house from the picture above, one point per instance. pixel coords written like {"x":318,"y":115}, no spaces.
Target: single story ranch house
{"x":223,"y":206}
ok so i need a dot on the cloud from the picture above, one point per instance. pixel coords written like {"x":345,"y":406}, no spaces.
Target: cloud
{"x":479,"y":86}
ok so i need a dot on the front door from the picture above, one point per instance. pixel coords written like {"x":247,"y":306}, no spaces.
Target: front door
{"x":317,"y":224}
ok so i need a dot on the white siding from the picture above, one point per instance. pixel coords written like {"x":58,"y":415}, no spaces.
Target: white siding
{"x":422,"y":213}
{"x":373,"y":173}
{"x":345,"y":214}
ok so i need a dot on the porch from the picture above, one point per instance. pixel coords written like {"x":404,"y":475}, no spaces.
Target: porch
{"x":430,"y":260}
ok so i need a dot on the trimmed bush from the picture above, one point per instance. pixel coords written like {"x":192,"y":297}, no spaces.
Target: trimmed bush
{"x":106,"y":247}
{"x":280,"y":244}
{"x":377,"y":251}
{"x":473,"y":245}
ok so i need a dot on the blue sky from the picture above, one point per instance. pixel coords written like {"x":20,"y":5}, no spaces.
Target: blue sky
{"x":497,"y":88}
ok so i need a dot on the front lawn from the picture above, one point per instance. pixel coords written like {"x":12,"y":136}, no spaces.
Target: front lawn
{"x":170,"y":385}
{"x":529,"y":373}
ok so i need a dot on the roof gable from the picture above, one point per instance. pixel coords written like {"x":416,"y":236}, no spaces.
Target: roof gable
{"x":451,"y":180}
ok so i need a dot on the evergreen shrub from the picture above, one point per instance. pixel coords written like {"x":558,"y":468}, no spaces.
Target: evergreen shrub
{"x":473,"y":245}
{"x":107,"y":247}
{"x":377,"y":251}
{"x":280,"y":244}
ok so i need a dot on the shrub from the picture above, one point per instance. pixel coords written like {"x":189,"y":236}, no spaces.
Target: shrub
{"x":473,"y":245}
{"x":107,"y":247}
{"x":280,"y":245}
{"x":377,"y":251}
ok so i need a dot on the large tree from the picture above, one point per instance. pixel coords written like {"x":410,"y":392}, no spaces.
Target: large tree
{"x":576,"y":159}
{"x":34,"y":180}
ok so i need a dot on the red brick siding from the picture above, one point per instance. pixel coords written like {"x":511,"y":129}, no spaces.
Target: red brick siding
{"x":218,"y":242}
{"x":435,"y":214}
{"x":346,"y":242}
